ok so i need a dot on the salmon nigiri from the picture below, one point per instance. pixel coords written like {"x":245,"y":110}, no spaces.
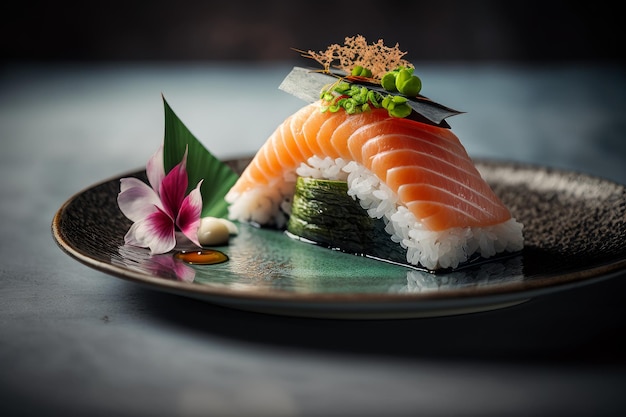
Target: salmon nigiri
{"x":416,"y":176}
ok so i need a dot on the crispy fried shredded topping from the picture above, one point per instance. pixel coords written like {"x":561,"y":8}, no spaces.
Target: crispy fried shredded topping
{"x":356,"y":52}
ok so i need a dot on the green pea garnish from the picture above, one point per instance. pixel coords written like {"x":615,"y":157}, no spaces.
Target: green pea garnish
{"x":411,"y":87}
{"x":359,"y":71}
{"x":388,"y":81}
{"x":356,"y":70}
{"x":402,"y":110}
{"x":402,"y":76}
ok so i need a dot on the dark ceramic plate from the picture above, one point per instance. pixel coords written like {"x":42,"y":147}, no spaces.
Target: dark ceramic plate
{"x":575,"y":234}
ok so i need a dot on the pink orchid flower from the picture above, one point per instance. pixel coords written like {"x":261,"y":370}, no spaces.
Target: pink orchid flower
{"x":160,"y":209}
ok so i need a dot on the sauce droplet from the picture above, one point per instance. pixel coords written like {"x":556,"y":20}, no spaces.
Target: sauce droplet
{"x":201,"y":257}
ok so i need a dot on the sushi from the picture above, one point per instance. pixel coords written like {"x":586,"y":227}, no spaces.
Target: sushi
{"x":414,"y":177}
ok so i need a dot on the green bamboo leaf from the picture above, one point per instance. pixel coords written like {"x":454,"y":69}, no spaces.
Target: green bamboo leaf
{"x":201,"y":165}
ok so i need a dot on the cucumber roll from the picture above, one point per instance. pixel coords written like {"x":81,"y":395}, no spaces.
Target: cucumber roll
{"x":323,"y":213}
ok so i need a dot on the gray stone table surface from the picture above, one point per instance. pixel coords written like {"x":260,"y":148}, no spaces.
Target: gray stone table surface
{"x":77,"y":342}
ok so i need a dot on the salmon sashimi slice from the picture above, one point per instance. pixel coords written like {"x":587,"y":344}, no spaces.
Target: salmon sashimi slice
{"x":426,"y":166}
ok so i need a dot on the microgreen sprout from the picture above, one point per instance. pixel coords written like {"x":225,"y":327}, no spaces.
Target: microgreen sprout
{"x":359,"y":71}
{"x":396,"y":106}
{"x":403,"y":81}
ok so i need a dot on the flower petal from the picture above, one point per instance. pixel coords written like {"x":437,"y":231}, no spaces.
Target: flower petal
{"x":188,"y":219}
{"x":130,"y":239}
{"x":136,"y":199}
{"x":155,"y":169}
{"x":184,"y":273}
{"x":156,"y":232}
{"x":169,"y":267}
{"x":174,"y":188}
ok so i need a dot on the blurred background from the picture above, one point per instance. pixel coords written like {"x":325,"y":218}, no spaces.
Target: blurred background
{"x":193,"y":30}
{"x":525,"y":72}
